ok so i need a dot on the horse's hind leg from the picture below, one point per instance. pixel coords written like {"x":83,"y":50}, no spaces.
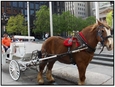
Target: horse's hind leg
{"x":40,"y":77}
{"x":49,"y":71}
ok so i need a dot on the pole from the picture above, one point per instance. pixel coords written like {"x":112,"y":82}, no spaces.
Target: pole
{"x":97,"y":10}
{"x":28,"y":18}
{"x":51,"y":23}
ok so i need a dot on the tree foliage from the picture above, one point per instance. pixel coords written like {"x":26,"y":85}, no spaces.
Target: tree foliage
{"x":109,"y":18}
{"x":42,"y":22}
{"x":17,"y":25}
{"x":65,"y":22}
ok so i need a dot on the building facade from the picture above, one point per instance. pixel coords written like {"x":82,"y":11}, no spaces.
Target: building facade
{"x":104,"y":9}
{"x":12,"y":8}
{"x":79,"y":9}
{"x":58,"y":7}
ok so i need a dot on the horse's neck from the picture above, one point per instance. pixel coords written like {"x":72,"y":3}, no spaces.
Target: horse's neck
{"x":90,"y":37}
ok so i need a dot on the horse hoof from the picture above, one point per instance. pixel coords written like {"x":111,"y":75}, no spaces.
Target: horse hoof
{"x":40,"y":82}
{"x":81,"y":83}
{"x":51,"y":80}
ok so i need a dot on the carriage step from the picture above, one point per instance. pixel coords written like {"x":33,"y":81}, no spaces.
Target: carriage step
{"x":103,"y":59}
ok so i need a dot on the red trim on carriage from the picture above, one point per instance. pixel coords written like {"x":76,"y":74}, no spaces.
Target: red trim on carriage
{"x":81,"y":34}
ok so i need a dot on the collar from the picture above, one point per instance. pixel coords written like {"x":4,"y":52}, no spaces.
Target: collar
{"x":81,"y":34}
{"x":90,"y":49}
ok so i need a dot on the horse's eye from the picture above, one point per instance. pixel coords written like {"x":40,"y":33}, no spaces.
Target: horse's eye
{"x":102,"y":30}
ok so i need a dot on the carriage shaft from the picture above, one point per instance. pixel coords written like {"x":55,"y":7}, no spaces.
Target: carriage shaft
{"x":63,"y":54}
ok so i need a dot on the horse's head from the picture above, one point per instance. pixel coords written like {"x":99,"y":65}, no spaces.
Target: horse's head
{"x":104,"y":35}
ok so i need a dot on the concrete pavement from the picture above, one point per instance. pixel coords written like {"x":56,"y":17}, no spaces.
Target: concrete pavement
{"x":95,"y":74}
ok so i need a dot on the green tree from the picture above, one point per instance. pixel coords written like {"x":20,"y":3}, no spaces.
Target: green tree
{"x":16,"y":24}
{"x":90,"y":20}
{"x":64,"y":22}
{"x":42,"y":22}
{"x":56,"y":24}
{"x":82,"y":23}
{"x":109,"y":18}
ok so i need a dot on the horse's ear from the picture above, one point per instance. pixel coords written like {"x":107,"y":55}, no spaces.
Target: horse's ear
{"x":99,"y":22}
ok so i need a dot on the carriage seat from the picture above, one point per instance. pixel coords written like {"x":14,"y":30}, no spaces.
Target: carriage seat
{"x":69,"y":41}
{"x":7,"y":52}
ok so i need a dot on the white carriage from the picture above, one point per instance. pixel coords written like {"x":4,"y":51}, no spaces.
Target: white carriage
{"x":26,"y":54}
{"x":20,"y":55}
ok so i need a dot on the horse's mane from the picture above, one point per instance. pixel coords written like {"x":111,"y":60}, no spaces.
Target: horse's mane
{"x":93,"y":27}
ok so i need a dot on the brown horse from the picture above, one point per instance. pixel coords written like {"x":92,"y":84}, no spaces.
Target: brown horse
{"x":91,"y":35}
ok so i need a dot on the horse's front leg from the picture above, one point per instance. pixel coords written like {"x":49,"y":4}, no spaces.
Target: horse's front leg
{"x":49,"y":71}
{"x":82,"y":70}
{"x":40,"y":77}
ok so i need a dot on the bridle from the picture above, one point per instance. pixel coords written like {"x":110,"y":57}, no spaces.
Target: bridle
{"x":82,"y":39}
{"x":103,"y":39}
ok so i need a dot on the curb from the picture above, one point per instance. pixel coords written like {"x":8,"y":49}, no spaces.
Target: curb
{"x":70,"y":73}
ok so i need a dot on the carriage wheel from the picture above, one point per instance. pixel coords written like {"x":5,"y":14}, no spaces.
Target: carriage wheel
{"x":14,"y":70}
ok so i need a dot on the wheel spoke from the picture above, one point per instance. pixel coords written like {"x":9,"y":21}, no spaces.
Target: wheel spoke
{"x":14,"y":70}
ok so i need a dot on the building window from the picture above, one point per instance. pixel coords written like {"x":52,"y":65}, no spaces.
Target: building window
{"x":32,"y":5}
{"x":8,"y":4}
{"x":25,"y":18}
{"x":25,"y":4}
{"x":25,"y":12}
{"x":22,"y":11}
{"x":58,"y":9}
{"x":31,"y":12}
{"x":36,"y":6}
{"x":57,"y":3}
{"x":20,"y":4}
{"x":15,"y":11}
{"x":8,"y":10}
{"x":14,"y":4}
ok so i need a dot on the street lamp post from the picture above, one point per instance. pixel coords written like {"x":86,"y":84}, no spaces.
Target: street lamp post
{"x":4,"y":20}
{"x":51,"y":23}
{"x":28,"y":15}
{"x":97,"y":10}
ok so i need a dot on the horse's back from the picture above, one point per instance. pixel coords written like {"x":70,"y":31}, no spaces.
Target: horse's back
{"x":54,"y":45}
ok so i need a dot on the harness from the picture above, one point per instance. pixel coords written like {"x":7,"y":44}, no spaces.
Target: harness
{"x":84,"y":43}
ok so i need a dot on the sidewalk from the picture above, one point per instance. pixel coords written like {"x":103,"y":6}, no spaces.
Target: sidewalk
{"x":95,"y":74}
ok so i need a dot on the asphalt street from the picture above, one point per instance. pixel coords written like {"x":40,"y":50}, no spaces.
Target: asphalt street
{"x":28,"y":77}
